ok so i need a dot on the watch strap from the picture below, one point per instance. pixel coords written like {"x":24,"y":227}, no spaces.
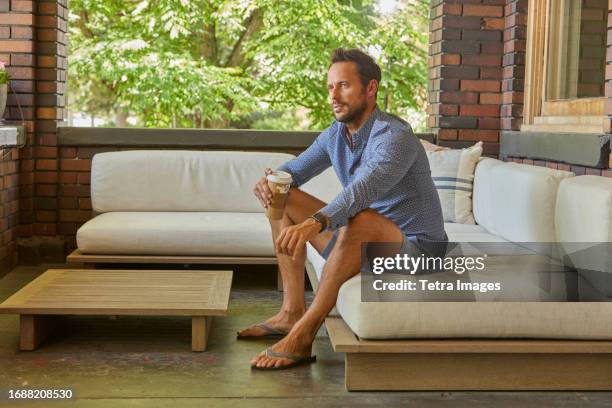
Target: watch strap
{"x":321,"y":219}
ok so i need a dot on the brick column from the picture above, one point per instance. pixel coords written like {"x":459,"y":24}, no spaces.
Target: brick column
{"x":16,"y":178}
{"x":33,"y":45}
{"x":51,"y":28}
{"x":513,"y":83}
{"x":465,"y":72}
{"x":608,"y":73}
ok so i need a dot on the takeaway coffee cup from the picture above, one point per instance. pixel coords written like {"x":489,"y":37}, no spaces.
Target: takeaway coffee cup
{"x":279,"y":182}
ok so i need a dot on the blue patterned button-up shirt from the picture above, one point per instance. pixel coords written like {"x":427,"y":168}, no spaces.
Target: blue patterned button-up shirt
{"x":384,"y":168}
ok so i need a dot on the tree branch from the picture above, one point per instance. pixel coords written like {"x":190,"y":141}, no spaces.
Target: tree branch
{"x":82,"y":24}
{"x":252,"y":26}
{"x":206,"y":44}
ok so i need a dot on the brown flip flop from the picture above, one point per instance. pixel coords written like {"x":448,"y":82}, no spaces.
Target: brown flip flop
{"x":269,"y":333}
{"x":296,"y":360}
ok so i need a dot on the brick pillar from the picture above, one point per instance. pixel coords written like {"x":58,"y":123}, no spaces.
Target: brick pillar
{"x":513,"y":83}
{"x":465,"y":72}
{"x":608,"y":76}
{"x":51,"y":28}
{"x":16,"y":178}
{"x":33,"y":45}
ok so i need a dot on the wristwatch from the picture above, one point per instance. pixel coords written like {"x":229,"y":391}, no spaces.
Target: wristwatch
{"x":321,"y":219}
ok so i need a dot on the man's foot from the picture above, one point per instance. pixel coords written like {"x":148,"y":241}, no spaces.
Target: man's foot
{"x":276,"y":326}
{"x":289,"y":351}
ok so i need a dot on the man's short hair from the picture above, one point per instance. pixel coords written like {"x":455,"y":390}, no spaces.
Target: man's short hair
{"x":366,"y":66}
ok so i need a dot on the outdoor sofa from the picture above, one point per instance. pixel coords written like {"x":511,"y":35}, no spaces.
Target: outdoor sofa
{"x":541,"y":335}
{"x":177,"y":207}
{"x":198,"y":207}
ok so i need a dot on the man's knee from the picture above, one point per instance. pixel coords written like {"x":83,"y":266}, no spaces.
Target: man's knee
{"x":369,"y":224}
{"x":300,"y":205}
{"x":366,"y":220}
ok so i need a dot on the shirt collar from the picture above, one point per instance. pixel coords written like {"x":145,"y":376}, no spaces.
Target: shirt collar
{"x":364,"y":130}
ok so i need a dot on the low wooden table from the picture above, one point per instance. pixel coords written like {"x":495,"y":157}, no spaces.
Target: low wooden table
{"x":199,"y":294}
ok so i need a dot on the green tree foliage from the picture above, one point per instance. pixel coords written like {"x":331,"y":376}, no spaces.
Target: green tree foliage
{"x":206,"y":63}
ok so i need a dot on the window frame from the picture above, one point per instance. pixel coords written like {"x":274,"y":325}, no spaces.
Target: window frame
{"x":582,"y":115}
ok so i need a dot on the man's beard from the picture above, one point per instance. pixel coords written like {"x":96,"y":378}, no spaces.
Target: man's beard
{"x":353,"y":114}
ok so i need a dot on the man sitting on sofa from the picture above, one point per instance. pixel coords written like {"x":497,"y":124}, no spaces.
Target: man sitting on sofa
{"x":388,"y":196}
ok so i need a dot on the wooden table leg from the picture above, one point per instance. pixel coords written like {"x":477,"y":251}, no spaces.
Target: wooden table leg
{"x":200,"y":329}
{"x":34,"y":329}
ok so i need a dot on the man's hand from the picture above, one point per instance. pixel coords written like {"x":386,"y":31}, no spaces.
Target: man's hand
{"x":292,"y":240}
{"x":262,"y":190}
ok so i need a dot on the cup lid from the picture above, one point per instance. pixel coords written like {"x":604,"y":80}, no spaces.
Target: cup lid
{"x":281,"y":177}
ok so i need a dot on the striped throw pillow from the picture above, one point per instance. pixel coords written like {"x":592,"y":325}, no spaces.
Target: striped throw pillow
{"x":453,"y":174}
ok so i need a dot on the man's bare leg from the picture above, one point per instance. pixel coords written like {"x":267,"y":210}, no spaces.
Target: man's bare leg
{"x":300,"y":205}
{"x":343,"y":263}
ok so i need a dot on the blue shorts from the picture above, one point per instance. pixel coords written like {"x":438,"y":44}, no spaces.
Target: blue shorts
{"x":412,"y":245}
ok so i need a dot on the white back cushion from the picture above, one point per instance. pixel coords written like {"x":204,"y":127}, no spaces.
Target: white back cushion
{"x":584,"y":209}
{"x":179,"y":180}
{"x":483,"y":195}
{"x":517,"y":201}
{"x":325,"y":186}
{"x":584,"y":228}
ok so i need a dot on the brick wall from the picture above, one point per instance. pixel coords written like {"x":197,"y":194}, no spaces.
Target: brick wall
{"x":74,"y":197}
{"x":51,"y":28}
{"x":17,"y":51}
{"x":592,"y":56}
{"x":578,"y":170}
{"x":465,"y":69}
{"x":513,"y":82}
{"x":33,"y":45}
{"x":608,"y":74}
{"x":592,"y":5}
{"x":477,"y":71}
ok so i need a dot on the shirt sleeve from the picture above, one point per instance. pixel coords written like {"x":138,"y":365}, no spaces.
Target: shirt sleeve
{"x":310,"y":162}
{"x":393,"y":156}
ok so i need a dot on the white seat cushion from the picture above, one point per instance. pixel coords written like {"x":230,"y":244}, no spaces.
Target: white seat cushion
{"x":395,"y":320}
{"x":177,"y":233}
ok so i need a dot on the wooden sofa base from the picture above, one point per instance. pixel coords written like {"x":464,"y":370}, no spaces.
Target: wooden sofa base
{"x":90,"y":261}
{"x":434,"y":364}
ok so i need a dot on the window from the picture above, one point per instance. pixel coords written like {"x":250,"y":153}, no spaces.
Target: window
{"x":566,"y":61}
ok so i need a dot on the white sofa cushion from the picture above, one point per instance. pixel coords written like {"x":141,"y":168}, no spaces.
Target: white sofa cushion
{"x":395,"y":320}
{"x":584,"y":209}
{"x":179,"y":180}
{"x":324,"y":186}
{"x":453,"y":174}
{"x":517,"y":201}
{"x":469,"y":233}
{"x":317,"y":261}
{"x":177,"y":233}
{"x":584,"y":228}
